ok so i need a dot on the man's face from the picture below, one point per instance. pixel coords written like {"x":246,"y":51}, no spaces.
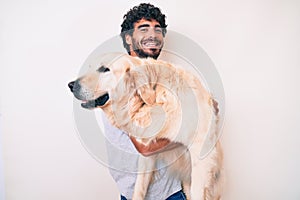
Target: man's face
{"x":147,"y":39}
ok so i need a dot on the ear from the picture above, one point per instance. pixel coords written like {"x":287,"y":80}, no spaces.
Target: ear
{"x":138,"y":112}
{"x":128,"y":39}
{"x":145,"y":83}
{"x":144,"y":90}
{"x":147,"y":94}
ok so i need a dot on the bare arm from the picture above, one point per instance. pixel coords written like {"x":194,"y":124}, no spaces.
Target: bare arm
{"x":154,"y":147}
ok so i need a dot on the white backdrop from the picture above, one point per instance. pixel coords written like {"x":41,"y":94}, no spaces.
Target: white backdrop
{"x":255,"y":46}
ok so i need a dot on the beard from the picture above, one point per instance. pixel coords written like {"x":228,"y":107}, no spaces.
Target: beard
{"x":148,"y":52}
{"x":142,"y":54}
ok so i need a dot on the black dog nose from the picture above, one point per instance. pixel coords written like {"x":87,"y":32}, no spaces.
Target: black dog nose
{"x":71,"y":85}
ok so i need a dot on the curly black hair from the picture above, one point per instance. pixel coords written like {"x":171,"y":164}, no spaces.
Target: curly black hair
{"x":143,"y":11}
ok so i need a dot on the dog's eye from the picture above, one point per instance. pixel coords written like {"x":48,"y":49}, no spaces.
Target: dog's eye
{"x":103,"y":69}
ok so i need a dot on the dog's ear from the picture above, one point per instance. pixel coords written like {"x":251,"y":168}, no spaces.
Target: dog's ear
{"x":142,"y":96}
{"x":147,"y":94}
{"x":146,"y":80}
{"x":139,"y":106}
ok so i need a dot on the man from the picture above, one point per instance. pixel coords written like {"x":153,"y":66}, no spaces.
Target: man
{"x":143,"y":31}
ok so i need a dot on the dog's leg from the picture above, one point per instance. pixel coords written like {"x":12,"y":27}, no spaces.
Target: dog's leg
{"x":207,"y":177}
{"x":197,"y":179}
{"x":185,"y":169}
{"x":186,"y":185}
{"x":146,"y":167}
{"x":180,"y":167}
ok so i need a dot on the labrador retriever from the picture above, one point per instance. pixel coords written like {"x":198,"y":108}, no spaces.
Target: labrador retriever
{"x":150,"y":100}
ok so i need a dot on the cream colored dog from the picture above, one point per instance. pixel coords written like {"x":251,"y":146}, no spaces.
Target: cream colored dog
{"x":151,"y":100}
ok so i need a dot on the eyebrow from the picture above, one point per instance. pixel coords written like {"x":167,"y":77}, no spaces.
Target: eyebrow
{"x":147,"y":25}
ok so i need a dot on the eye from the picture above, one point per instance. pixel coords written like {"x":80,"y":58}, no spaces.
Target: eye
{"x":158,"y":30}
{"x":103,"y":69}
{"x":143,"y":30}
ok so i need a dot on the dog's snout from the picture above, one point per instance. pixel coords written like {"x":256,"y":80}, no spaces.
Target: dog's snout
{"x":71,"y":85}
{"x":77,"y":90}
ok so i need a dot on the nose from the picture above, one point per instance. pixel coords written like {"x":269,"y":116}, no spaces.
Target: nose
{"x":152,"y":33}
{"x":71,"y":85}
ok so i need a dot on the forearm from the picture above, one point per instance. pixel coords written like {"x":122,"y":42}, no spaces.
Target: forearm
{"x":154,"y":147}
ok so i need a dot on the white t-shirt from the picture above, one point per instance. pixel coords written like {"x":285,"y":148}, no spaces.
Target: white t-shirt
{"x":123,"y":162}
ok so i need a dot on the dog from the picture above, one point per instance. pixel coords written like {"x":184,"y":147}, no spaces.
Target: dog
{"x":150,"y":100}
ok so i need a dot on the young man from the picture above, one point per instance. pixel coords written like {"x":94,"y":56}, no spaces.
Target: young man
{"x":143,"y":31}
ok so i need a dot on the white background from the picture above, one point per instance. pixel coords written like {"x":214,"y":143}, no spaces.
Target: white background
{"x":255,"y":46}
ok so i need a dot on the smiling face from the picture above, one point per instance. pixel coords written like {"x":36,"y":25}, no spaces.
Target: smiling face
{"x":146,"y":40}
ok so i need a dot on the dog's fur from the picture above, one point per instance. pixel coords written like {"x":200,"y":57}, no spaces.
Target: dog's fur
{"x":137,"y":95}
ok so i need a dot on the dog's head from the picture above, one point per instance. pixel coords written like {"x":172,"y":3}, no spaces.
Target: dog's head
{"x":95,"y":87}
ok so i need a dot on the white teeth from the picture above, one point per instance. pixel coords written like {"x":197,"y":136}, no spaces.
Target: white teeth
{"x":150,"y":44}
